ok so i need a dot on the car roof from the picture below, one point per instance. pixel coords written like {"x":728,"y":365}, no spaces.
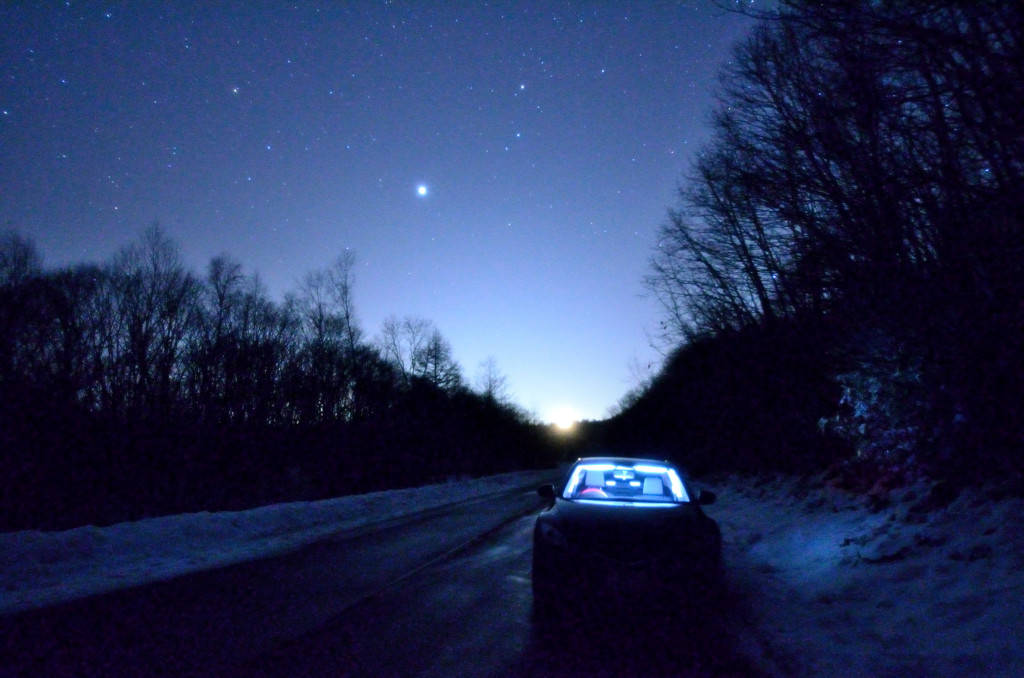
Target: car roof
{"x":623,"y":461}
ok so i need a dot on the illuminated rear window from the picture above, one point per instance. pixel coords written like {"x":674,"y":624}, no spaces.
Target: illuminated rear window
{"x":639,"y":484}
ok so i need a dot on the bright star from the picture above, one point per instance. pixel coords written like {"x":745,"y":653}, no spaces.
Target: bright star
{"x":421,"y":190}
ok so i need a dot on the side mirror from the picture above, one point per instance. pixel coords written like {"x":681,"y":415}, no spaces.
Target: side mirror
{"x":547,"y":492}
{"x":705,"y":497}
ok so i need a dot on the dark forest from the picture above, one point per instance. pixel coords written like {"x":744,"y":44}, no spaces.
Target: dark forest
{"x":135,"y":388}
{"x":842,"y":276}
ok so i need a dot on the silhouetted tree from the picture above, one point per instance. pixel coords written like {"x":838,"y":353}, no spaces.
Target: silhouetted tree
{"x":19,"y":259}
{"x":57,"y":339}
{"x":400,"y":341}
{"x":240,"y":348}
{"x":323,"y":381}
{"x":19,"y":262}
{"x":491,"y":383}
{"x":435,"y":362}
{"x":152,"y":303}
{"x":865,"y":167}
{"x":130,"y":388}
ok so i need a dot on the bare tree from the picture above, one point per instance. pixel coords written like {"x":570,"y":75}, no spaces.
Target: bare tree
{"x":417,"y":349}
{"x":435,"y":362}
{"x":19,"y":262}
{"x":19,"y":259}
{"x":240,"y":347}
{"x":400,"y":341}
{"x":491,"y":383}
{"x":341,"y":278}
{"x":865,"y":162}
{"x":327,"y":302}
{"x":154,"y":301}
{"x":852,"y":144}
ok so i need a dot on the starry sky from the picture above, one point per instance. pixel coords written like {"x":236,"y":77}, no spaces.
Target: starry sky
{"x":499,"y":168}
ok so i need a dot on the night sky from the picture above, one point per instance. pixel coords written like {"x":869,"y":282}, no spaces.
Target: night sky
{"x":500,"y":169}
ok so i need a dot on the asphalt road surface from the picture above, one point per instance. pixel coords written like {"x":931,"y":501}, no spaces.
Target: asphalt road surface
{"x":472,"y":616}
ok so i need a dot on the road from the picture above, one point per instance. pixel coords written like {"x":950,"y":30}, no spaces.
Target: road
{"x":424,"y":597}
{"x":471,"y":616}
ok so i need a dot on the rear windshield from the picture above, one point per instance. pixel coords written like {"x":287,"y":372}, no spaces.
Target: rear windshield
{"x":647,"y":484}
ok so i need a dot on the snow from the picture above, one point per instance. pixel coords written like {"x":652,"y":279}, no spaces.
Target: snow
{"x":834,"y":588}
{"x":822,"y":584}
{"x":43,"y":568}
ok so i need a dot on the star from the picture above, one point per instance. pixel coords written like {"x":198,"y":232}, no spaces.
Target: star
{"x":421,"y":190}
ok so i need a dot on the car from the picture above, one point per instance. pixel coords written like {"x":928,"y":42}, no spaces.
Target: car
{"x":624,"y":534}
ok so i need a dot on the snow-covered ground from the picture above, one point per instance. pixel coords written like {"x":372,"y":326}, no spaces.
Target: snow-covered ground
{"x":42,"y":568}
{"x":833,"y":588}
{"x":828,"y":586}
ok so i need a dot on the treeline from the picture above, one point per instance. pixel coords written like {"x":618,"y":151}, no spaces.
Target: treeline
{"x":134,"y":388}
{"x":856,"y":220}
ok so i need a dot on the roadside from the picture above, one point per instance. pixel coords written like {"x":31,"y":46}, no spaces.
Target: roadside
{"x":45,"y":568}
{"x":828,"y":586}
{"x":205,"y":622}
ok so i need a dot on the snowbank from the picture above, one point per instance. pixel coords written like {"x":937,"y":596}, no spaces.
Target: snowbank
{"x":833,"y":588}
{"x":42,"y":568}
